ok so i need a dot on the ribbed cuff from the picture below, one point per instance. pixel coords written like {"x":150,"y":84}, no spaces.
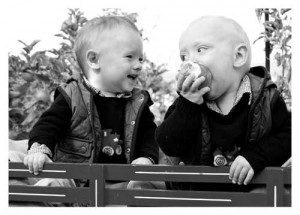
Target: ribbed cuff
{"x":151,"y":159}
{"x":36,"y":147}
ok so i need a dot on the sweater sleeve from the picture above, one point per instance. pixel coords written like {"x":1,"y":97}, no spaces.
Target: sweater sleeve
{"x":52,"y":125}
{"x":274,"y":149}
{"x":146,"y":144}
{"x":179,"y":131}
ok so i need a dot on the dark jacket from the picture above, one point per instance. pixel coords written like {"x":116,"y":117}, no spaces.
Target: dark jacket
{"x":268,"y":136}
{"x":82,"y":140}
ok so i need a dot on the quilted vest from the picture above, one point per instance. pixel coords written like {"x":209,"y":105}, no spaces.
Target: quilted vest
{"x":83,"y":140}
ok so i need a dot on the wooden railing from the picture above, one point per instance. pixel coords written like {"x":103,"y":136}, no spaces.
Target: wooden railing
{"x":275,"y":179}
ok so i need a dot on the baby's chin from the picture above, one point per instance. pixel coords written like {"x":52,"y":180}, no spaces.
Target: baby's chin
{"x":126,"y":89}
{"x":129,"y":88}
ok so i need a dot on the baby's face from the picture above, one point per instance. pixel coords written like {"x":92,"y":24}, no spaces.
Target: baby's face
{"x":120,"y":58}
{"x":205,"y":43}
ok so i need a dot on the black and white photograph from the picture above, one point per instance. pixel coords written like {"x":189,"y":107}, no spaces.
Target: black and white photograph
{"x":137,"y":104}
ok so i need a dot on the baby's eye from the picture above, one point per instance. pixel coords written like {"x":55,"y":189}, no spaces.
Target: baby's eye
{"x":201,"y":49}
{"x":129,"y":56}
{"x":141,"y":60}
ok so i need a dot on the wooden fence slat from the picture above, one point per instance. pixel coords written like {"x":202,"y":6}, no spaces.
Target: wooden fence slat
{"x":183,"y":198}
{"x":51,"y":170}
{"x":48,"y":194}
{"x":174,"y":173}
{"x":167,"y":173}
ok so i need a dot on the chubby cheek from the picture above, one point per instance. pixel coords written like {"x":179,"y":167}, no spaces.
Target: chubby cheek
{"x":214,"y":91}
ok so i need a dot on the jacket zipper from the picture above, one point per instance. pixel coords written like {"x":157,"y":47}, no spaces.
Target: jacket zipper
{"x":137,"y":119}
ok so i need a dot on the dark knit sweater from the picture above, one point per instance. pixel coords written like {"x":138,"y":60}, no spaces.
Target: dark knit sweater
{"x":235,"y":124}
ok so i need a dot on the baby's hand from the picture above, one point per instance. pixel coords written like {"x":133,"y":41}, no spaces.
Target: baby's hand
{"x":142,"y":161}
{"x":189,"y":88}
{"x":241,"y":171}
{"x":193,"y":81}
{"x":36,"y":161}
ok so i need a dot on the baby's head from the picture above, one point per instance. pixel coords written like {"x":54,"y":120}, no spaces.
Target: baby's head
{"x":109,"y":51}
{"x":222,"y":46}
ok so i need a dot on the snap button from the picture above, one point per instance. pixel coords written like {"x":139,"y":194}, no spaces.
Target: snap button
{"x":127,"y":150}
{"x":141,"y":98}
{"x":83,"y":149}
{"x":132,"y":122}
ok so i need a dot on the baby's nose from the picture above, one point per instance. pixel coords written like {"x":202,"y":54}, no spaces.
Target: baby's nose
{"x":137,"y":66}
{"x":193,"y":57}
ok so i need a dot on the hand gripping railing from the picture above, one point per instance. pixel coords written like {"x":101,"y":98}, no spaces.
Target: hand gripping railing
{"x":276,"y":179}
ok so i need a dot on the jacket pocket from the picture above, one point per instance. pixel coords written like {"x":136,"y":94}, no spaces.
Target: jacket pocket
{"x":73,"y":150}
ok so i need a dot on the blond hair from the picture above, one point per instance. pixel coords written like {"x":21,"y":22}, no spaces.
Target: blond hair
{"x":91,"y":31}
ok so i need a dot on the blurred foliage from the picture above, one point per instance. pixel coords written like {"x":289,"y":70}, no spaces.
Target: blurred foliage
{"x":278,"y":31}
{"x":33,"y":76}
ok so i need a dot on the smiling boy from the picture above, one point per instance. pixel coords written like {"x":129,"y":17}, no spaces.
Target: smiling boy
{"x":101,"y":117}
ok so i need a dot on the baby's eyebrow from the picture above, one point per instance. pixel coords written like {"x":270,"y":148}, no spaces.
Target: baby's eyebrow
{"x":133,"y":52}
{"x":197,"y":43}
{"x":182,"y":51}
{"x":193,"y":45}
{"x":202,"y":43}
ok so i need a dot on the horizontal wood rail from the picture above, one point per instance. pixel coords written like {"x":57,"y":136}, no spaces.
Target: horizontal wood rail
{"x":275,"y":179}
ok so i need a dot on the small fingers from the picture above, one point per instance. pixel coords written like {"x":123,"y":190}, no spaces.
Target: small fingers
{"x":241,"y":171}
{"x":232,"y":169}
{"x":188,"y":82}
{"x":196,"y":84}
{"x":249,"y":176}
{"x":36,"y":165}
{"x":36,"y":162}
{"x":204,"y":90}
{"x":180,"y":79}
{"x":30,"y":164}
{"x":26,"y":161}
{"x":236,"y":174}
{"x":242,"y":175}
{"x":42,"y":160}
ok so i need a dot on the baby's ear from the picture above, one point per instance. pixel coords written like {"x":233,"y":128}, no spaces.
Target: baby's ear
{"x":93,"y":59}
{"x":241,"y":54}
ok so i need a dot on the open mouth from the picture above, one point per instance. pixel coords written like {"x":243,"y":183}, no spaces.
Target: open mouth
{"x":132,"y":76}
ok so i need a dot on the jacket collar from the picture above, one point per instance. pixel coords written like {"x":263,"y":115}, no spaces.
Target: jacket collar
{"x":96,"y":91}
{"x":245,"y":88}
